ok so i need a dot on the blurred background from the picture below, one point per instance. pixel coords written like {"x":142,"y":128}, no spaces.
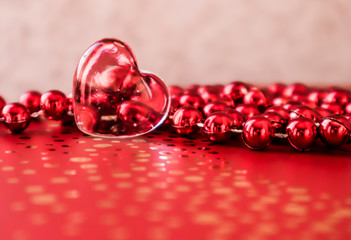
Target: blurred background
{"x":184,"y":42}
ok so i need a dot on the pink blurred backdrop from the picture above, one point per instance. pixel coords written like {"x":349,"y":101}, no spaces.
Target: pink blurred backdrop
{"x":199,"y":41}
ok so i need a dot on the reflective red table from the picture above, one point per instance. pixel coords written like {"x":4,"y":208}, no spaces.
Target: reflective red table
{"x":58,"y":184}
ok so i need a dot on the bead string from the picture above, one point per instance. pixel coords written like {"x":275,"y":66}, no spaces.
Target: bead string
{"x":258,"y":115}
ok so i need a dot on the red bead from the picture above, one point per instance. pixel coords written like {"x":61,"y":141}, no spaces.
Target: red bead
{"x":335,"y":130}
{"x":316,"y":96}
{"x":2,"y":103}
{"x":302,"y":133}
{"x":135,"y":118}
{"x":278,"y":122}
{"x":276,"y":89}
{"x":333,"y":107}
{"x":258,"y":133}
{"x":257,"y":98}
{"x":248,"y":110}
{"x":282,"y":111}
{"x":87,"y":118}
{"x":295,"y":89}
{"x":16,"y":117}
{"x":238,"y":118}
{"x":191,"y":99}
{"x":348,"y":108}
{"x":54,"y":104}
{"x":209,"y":94}
{"x":212,"y":107}
{"x":340,"y":97}
{"x":185,"y":120}
{"x":235,"y":91}
{"x":31,"y":100}
{"x":323,"y":112}
{"x":68,"y":119}
{"x":191,"y":89}
{"x":348,"y":116}
{"x":175,"y":90}
{"x":290,"y":105}
{"x":217,"y":127}
{"x":307,"y":112}
{"x":280,"y":101}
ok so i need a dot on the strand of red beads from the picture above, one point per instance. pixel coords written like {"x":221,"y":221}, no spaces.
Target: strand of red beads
{"x":295,"y":112}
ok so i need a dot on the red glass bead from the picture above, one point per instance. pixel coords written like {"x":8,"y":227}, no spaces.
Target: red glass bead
{"x":175,"y":90}
{"x":348,"y":108}
{"x":235,"y":91}
{"x":16,"y":117}
{"x":212,"y":107}
{"x":68,"y":119}
{"x":340,"y":97}
{"x":217,"y":127}
{"x":31,"y":100}
{"x":54,"y":104}
{"x":87,"y":118}
{"x":209,"y":93}
{"x":2,"y":103}
{"x":295,"y":89}
{"x":238,"y":118}
{"x":302,"y":133}
{"x":282,"y":111}
{"x":258,"y":133}
{"x":323,"y":112}
{"x":248,"y":110}
{"x":257,"y":98}
{"x":276,"y":89}
{"x":316,"y":96}
{"x":185,"y":120}
{"x":279,"y":101}
{"x":108,"y":82}
{"x":335,"y":130}
{"x":290,"y":105}
{"x":133,"y":118}
{"x":307,"y":112}
{"x":191,"y":89}
{"x":191,"y":99}
{"x":348,"y":116}
{"x":333,"y":107}
{"x":278,"y":122}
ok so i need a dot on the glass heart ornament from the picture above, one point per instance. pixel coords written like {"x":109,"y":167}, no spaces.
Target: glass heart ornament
{"x":112,"y":97}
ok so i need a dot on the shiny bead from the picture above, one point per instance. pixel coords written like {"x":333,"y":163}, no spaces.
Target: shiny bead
{"x":290,"y":105}
{"x":191,"y":99}
{"x":333,"y":107}
{"x":54,"y":104}
{"x":295,"y":89}
{"x":340,"y":97}
{"x":282,"y":111}
{"x":323,"y":112}
{"x":248,"y":110}
{"x":276,"y":89}
{"x":279,"y":101}
{"x":209,"y":93}
{"x":31,"y":100}
{"x":257,"y":133}
{"x":258,"y":98}
{"x":335,"y":130}
{"x":302,"y":133}
{"x":175,"y":90}
{"x":348,"y":116}
{"x":238,"y":118}
{"x":2,"y":103}
{"x":217,"y":127}
{"x":185,"y":120}
{"x":235,"y":91}
{"x":212,"y":107}
{"x":68,"y":119}
{"x":16,"y":117}
{"x":191,"y":89}
{"x":278,"y":122}
{"x":348,"y":108}
{"x":316,"y":96}
{"x":307,"y":112}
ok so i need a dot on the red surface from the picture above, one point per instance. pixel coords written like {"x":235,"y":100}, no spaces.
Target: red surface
{"x":58,"y":184}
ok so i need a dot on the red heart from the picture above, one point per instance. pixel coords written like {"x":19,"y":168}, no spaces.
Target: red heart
{"x":112,"y":97}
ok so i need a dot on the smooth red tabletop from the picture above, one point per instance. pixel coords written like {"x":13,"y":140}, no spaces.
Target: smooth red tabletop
{"x":57,"y":183}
